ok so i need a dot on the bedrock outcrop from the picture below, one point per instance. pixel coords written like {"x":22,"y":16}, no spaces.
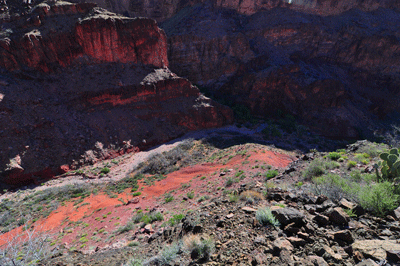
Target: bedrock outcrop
{"x":165,"y":9}
{"x":80,"y":84}
{"x":339,"y":74}
{"x":334,"y":64}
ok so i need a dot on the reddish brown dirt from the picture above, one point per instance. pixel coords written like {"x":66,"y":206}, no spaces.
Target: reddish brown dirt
{"x":99,"y":216}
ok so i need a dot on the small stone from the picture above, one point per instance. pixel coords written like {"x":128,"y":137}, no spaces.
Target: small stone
{"x":367,"y":262}
{"x":321,"y":220}
{"x":229,"y":216}
{"x":281,"y":244}
{"x":344,"y":235}
{"x":314,"y":260}
{"x":338,"y":216}
{"x":297,"y":242}
{"x":393,"y":256}
{"x":248,"y":209}
{"x":344,"y":203}
{"x":397,"y":213}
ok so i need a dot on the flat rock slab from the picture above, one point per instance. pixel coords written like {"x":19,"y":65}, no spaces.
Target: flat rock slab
{"x":375,"y":249}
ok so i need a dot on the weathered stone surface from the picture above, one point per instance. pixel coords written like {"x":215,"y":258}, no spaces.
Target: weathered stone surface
{"x":95,"y":88}
{"x":286,"y":216}
{"x":367,"y":262}
{"x":314,"y":260}
{"x":163,"y":9}
{"x":397,"y":213}
{"x":282,"y":244}
{"x":338,"y":216}
{"x":375,"y":249}
{"x":84,"y":34}
{"x":343,"y":235}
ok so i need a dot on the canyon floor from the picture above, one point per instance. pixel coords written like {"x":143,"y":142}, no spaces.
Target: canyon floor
{"x":143,"y":208}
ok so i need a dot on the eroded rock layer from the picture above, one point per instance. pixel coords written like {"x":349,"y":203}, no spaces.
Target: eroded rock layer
{"x":79,"y":84}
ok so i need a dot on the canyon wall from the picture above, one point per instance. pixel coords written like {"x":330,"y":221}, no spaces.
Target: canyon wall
{"x":161,"y":10}
{"x":79,"y":84}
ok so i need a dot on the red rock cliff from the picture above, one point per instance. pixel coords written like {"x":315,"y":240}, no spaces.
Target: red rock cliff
{"x":61,"y":35}
{"x":80,"y":84}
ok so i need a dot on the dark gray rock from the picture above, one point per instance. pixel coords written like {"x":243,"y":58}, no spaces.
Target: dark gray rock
{"x":289,"y":215}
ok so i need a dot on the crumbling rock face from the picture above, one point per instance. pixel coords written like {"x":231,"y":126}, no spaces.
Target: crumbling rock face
{"x":334,"y":73}
{"x":59,"y":35}
{"x":96,"y":88}
{"x":165,"y":9}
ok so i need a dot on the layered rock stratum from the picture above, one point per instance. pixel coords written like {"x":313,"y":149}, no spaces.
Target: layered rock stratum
{"x":79,"y":84}
{"x":333,"y":64}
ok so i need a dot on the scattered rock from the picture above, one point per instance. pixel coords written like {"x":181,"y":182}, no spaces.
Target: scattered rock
{"x":367,"y":262}
{"x":375,"y":249}
{"x":338,"y":216}
{"x":289,"y":215}
{"x":344,"y":235}
{"x":248,"y":209}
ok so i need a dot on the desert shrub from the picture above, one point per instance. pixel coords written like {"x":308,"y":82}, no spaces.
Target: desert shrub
{"x":199,"y":247}
{"x":126,"y":228}
{"x":314,"y":169}
{"x":203,"y":198}
{"x":379,"y":198}
{"x":177,"y":218}
{"x":333,"y":186}
{"x":333,"y":156}
{"x":271,"y":174}
{"x":127,"y":182}
{"x":331,"y":165}
{"x":265,"y":217}
{"x":190,"y":194}
{"x":230,"y":180}
{"x":105,"y":170}
{"x":251,"y":196}
{"x":27,"y":248}
{"x":351,"y":164}
{"x":168,"y":254}
{"x":134,"y":262}
{"x":166,"y":162}
{"x":233,"y":198}
{"x":168,"y":198}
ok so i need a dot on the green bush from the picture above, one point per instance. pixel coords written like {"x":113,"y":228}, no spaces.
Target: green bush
{"x":334,"y":156}
{"x":315,"y":168}
{"x":177,"y":218}
{"x":190,"y":194}
{"x":271,"y":174}
{"x":264,"y":216}
{"x":199,"y":247}
{"x":333,"y":186}
{"x":105,"y":170}
{"x":351,"y":164}
{"x":379,"y":198}
{"x":168,"y":254}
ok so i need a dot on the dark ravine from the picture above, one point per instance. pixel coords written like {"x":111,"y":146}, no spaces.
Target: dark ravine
{"x":84,"y":84}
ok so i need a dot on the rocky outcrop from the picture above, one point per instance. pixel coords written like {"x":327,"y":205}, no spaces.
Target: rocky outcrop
{"x":334,"y":73}
{"x":165,"y":9}
{"x":59,"y":35}
{"x":95,"y":88}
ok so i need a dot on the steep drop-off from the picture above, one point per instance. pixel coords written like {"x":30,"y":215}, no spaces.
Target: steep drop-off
{"x":80,"y":84}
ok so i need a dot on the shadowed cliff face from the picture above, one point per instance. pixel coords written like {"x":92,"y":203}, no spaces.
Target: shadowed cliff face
{"x":79,"y":84}
{"x":337,"y":73}
{"x":161,"y":10}
{"x":331,"y":63}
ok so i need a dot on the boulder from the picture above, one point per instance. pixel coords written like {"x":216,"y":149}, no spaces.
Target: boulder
{"x":375,"y":249}
{"x":287,"y":216}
